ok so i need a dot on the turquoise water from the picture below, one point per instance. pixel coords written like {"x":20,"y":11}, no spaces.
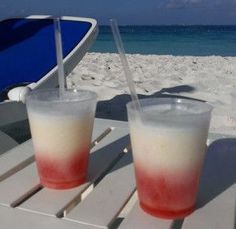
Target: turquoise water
{"x":171,"y":40}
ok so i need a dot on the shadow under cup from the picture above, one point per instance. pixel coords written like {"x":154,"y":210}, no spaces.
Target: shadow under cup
{"x":61,"y":129}
{"x":168,"y":137}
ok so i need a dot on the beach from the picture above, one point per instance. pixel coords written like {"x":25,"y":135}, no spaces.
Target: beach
{"x":209,"y":78}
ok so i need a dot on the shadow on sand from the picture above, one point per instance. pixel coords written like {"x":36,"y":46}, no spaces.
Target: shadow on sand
{"x":116,"y":107}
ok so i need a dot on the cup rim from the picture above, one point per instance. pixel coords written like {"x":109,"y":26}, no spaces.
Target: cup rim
{"x":206,"y":108}
{"x":33,"y":96}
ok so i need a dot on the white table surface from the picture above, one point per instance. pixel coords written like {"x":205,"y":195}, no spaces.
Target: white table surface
{"x":108,"y":199}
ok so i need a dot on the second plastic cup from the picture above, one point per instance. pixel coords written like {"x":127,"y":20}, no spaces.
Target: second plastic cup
{"x":168,"y":138}
{"x":61,"y":130}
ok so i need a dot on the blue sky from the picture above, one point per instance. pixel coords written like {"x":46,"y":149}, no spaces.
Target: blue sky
{"x":142,"y":12}
{"x":162,"y":11}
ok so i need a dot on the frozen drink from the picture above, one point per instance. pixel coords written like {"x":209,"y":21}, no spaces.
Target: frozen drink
{"x":61,"y":130}
{"x":169,"y":143}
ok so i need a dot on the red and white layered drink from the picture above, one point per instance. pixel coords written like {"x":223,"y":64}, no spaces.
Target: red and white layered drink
{"x":169,"y":142}
{"x":61,"y":130}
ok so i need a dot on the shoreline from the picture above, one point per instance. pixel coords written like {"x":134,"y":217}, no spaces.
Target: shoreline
{"x":161,"y":55}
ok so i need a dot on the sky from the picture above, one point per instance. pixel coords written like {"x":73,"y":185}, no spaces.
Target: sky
{"x":133,"y":12}
{"x":164,"y":11}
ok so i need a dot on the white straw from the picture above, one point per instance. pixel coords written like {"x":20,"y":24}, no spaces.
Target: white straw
{"x":123,"y":59}
{"x":59,"y":53}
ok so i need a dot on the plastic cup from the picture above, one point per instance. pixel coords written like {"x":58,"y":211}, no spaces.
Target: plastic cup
{"x":168,"y":138}
{"x":61,"y":129}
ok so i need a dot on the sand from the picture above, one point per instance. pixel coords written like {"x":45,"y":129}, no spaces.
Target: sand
{"x":211,"y":79}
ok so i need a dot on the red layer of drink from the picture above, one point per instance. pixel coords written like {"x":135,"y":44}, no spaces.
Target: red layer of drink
{"x":167,"y":194}
{"x":62,"y":173}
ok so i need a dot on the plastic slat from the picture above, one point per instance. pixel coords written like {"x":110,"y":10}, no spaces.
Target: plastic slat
{"x":15,"y":219}
{"x":50,"y":201}
{"x":98,"y":130}
{"x":15,"y":159}
{"x":112,"y":123}
{"x":18,"y":185}
{"x":138,"y":219}
{"x":104,"y":153}
{"x":219,"y":213}
{"x":219,"y":170}
{"x":107,"y":199}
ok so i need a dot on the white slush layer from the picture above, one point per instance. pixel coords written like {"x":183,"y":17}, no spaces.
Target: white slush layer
{"x":157,"y":147}
{"x":60,"y":135}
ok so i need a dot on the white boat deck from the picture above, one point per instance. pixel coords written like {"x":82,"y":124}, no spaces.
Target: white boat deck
{"x":108,"y":199}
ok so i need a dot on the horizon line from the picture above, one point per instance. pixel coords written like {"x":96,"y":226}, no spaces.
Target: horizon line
{"x":171,"y":25}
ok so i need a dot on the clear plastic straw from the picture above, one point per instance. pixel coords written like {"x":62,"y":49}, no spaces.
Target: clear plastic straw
{"x":59,"y":54}
{"x":123,"y":59}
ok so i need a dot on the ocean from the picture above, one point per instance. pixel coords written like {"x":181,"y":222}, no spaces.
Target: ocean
{"x":170,"y":40}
